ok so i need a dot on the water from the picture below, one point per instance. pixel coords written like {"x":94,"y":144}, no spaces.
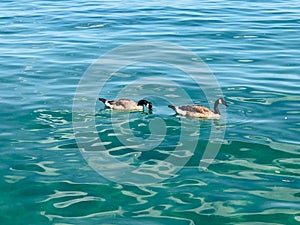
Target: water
{"x":251,"y":47}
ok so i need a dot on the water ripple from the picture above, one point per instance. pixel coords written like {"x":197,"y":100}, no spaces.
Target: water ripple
{"x":252,"y":48}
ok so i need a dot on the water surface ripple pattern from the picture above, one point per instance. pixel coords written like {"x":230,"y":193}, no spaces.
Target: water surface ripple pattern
{"x":252,"y":48}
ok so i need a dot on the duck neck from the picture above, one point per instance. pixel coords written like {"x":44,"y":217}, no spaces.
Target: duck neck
{"x":149,"y":106}
{"x":216,"y":108}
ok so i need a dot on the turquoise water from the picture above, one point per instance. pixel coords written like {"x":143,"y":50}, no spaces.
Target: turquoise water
{"x":252,"y":49}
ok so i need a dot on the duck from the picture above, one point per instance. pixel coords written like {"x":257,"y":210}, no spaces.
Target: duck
{"x":125,"y":104}
{"x":199,"y":111}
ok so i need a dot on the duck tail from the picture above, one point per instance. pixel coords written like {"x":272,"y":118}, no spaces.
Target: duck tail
{"x":102,"y":100}
{"x":172,"y":107}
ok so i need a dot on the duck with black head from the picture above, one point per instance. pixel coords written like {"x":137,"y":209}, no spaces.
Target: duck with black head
{"x":124,"y":104}
{"x":199,"y":111}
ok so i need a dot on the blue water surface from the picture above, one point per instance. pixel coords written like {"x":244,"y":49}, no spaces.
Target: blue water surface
{"x":252,"y":49}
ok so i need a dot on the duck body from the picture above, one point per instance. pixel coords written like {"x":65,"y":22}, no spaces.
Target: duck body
{"x":125,"y":104}
{"x":199,"y":111}
{"x":194,"y":111}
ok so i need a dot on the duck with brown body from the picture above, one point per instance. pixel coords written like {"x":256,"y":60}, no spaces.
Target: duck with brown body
{"x":124,"y":104}
{"x":199,"y":111}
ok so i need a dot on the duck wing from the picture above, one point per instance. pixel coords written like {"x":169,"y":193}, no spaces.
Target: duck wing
{"x":194,"y":109}
{"x":125,"y":103}
{"x":202,"y":109}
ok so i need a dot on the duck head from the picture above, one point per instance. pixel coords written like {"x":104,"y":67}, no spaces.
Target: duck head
{"x":217,"y":102}
{"x":146,"y":103}
{"x":222,"y":101}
